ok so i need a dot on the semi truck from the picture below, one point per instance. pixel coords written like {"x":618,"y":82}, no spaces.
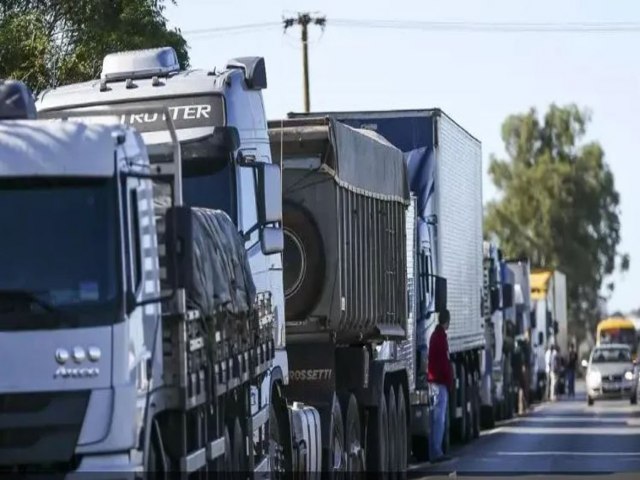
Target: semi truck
{"x":445,"y":177}
{"x":349,"y":227}
{"x":183,"y":388}
{"x":528,"y":329}
{"x":549,"y":296}
{"x":139,"y":306}
{"x":497,"y":382}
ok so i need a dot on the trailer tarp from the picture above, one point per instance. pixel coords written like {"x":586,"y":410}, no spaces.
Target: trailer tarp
{"x":367,"y":161}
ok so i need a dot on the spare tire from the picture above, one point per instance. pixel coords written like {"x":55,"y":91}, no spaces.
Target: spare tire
{"x":303,"y":261}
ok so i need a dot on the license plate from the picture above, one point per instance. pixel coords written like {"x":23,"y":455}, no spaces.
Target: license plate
{"x":611,"y":388}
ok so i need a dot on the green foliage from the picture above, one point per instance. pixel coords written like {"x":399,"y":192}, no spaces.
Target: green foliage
{"x":54,"y":42}
{"x":559,"y":205}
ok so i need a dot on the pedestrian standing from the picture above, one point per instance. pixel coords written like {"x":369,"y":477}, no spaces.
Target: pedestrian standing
{"x":555,"y":370}
{"x":548,"y":367}
{"x":440,"y":376}
{"x":572,"y":364}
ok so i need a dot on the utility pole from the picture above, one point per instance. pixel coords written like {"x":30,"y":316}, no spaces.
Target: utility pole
{"x":304,"y":20}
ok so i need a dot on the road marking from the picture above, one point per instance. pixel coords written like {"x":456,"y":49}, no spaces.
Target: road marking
{"x":568,"y":454}
{"x":577,"y":430}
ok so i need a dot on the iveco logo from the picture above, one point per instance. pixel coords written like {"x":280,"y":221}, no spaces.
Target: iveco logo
{"x":78,"y":355}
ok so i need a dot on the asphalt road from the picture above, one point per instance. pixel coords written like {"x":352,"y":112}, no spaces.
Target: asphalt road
{"x":565,"y":437}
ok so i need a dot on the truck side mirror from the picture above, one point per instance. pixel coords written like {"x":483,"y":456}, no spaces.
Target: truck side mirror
{"x":440,"y":294}
{"x":507,"y":295}
{"x":270,"y":193}
{"x":227,"y":138}
{"x":271,"y":240}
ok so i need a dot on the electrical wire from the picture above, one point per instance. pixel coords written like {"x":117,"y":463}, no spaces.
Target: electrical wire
{"x":502,"y":27}
{"x":442,"y":26}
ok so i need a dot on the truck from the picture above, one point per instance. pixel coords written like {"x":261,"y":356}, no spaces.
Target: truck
{"x":497,"y":383}
{"x":444,"y":165}
{"x":527,"y":329}
{"x":549,"y":296}
{"x":190,"y":204}
{"x":348,"y":261}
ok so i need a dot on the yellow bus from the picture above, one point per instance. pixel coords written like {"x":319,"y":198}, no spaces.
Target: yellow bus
{"x":618,"y":330}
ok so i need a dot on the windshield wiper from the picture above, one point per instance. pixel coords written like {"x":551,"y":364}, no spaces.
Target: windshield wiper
{"x":26,"y":297}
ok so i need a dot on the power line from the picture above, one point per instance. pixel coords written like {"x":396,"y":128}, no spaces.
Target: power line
{"x":250,"y":27}
{"x":304,"y":20}
{"x":462,"y":26}
{"x":500,"y":27}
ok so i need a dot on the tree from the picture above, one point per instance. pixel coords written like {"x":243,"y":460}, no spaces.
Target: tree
{"x":559,"y":206}
{"x":53,"y":42}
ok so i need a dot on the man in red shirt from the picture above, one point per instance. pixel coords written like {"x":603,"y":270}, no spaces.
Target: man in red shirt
{"x":440,"y":377}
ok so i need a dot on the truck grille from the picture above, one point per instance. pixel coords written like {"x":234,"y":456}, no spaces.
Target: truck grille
{"x":40,"y":428}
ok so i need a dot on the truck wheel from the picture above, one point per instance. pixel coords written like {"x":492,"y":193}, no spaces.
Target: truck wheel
{"x":634,"y":398}
{"x":461,"y":422}
{"x":377,"y":449}
{"x":468,"y":407}
{"x":238,"y":454}
{"x":403,"y":435}
{"x":487,"y":416}
{"x":393,"y":432}
{"x":475,"y":409}
{"x":276,"y":450}
{"x":334,"y":454}
{"x":303,"y":261}
{"x":353,"y":435}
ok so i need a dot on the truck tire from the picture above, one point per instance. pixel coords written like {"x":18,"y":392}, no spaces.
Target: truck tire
{"x":488,"y":420}
{"x":333,"y":455}
{"x":475,"y":408}
{"x":392,"y":418}
{"x":460,"y":430}
{"x":303,"y":261}
{"x":403,"y":435}
{"x":276,"y":450}
{"x":377,"y":448}
{"x":352,"y":435}
{"x":468,"y":406}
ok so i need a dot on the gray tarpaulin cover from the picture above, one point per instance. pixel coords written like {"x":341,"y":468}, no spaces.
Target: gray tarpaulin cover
{"x":376,"y":167}
{"x":222,"y":276}
{"x":221,"y":273}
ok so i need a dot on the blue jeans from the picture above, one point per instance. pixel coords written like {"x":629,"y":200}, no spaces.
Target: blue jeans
{"x":438,"y":421}
{"x":571,"y":379}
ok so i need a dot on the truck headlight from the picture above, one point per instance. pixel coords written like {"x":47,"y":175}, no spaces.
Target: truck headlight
{"x":628,"y":375}
{"x":594,"y":377}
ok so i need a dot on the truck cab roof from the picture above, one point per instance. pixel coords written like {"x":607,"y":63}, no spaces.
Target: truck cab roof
{"x":62,"y":148}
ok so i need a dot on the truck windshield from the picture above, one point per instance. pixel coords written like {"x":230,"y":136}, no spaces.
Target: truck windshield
{"x":207,"y":181}
{"x":58,"y":252}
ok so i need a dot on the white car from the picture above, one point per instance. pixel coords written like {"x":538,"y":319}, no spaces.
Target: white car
{"x":610,"y":373}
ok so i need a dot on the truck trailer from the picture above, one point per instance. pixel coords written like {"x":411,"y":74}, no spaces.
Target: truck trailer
{"x":348,"y":256}
{"x":445,"y":175}
{"x":213,"y":369}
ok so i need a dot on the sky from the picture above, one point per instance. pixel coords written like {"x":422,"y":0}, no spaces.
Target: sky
{"x":478,"y":78}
